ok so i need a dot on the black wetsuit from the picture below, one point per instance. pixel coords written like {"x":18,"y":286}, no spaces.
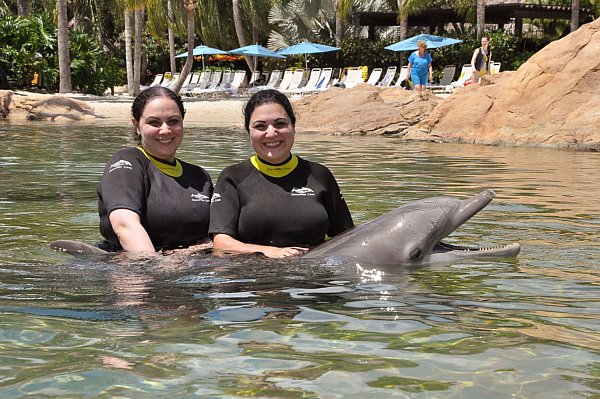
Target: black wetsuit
{"x":174,"y":210}
{"x":297,"y":209}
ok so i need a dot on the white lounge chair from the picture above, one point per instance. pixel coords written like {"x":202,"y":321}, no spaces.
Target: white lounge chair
{"x":465,"y":75}
{"x":402,"y":75}
{"x":171,"y":83}
{"x":324,"y":82}
{"x":354,"y":77}
{"x":190,"y":84}
{"x":255,"y":75}
{"x":374,"y":76}
{"x":232,"y":87}
{"x":167,"y":79}
{"x":274,"y":78}
{"x":495,"y":68}
{"x":157,"y":79}
{"x":288,"y":75}
{"x":311,"y":83}
{"x":294,"y":82}
{"x":215,"y":80}
{"x":388,"y":78}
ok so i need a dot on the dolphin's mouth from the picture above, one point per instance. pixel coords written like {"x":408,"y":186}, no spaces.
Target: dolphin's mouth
{"x":464,"y":251}
{"x":470,"y":207}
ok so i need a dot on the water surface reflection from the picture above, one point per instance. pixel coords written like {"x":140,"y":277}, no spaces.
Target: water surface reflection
{"x":205,"y":326}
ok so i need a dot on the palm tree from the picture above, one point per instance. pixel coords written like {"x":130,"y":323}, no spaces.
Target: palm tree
{"x":402,"y":20}
{"x":64,"y":61}
{"x":480,"y":18}
{"x":128,"y":53}
{"x":574,"y":15}
{"x":138,"y":17}
{"x":253,"y":14}
{"x":239,"y":29}
{"x":190,"y":9}
{"x":171,"y":34}
{"x":23,"y":8}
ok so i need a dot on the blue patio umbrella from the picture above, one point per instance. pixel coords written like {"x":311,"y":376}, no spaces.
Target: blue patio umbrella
{"x":306,"y":48}
{"x":202,"y":50}
{"x":255,"y":50}
{"x":431,"y":40}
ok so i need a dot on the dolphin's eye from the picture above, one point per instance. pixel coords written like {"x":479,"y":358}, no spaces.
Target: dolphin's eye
{"x":416,"y":254}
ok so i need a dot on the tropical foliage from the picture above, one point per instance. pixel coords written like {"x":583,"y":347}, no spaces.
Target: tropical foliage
{"x":101,"y":43}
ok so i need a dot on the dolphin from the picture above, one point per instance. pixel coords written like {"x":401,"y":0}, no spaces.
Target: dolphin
{"x":412,"y":235}
{"x":409,"y":235}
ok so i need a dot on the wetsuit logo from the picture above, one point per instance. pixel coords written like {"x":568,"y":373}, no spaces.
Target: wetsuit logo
{"x":216,"y":197}
{"x":200,"y":198}
{"x":121,"y":164}
{"x":302,"y":192}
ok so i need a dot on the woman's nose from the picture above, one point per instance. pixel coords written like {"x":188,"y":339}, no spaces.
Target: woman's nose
{"x":271,"y":131}
{"x":164,"y":128}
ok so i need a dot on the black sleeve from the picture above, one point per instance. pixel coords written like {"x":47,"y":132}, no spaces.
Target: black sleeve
{"x":225,"y":206}
{"x":338,"y":213}
{"x":123,"y":182}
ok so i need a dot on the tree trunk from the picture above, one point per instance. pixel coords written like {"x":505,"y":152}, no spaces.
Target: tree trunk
{"x":23,"y":8}
{"x":339,"y":23}
{"x":171,"y":24}
{"x":64,"y":60}
{"x":128,"y":54}
{"x":239,"y":30}
{"x":190,"y":9}
{"x":480,"y":18}
{"x":574,"y":15}
{"x":402,"y":20}
{"x":403,"y":26}
{"x":137,"y":56}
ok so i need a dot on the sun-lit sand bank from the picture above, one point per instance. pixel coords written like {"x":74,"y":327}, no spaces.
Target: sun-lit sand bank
{"x":116,"y":110}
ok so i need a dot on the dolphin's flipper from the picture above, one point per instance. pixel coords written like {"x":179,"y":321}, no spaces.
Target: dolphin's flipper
{"x":76,"y":248}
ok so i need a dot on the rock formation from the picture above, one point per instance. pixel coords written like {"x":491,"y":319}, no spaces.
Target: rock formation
{"x":59,"y":106}
{"x":40,"y":107}
{"x":551,"y":100}
{"x":363,"y":109}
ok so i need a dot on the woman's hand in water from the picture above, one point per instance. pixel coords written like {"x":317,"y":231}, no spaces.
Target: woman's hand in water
{"x":278,"y":253}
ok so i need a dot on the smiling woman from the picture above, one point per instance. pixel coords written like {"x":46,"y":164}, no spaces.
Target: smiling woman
{"x":275,"y":203}
{"x":148,"y":199}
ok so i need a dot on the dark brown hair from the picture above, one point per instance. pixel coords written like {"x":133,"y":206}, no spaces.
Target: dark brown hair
{"x":149,"y":94}
{"x":268,"y":96}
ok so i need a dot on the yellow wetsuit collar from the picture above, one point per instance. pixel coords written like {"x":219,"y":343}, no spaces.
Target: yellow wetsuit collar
{"x":169,"y":170}
{"x":275,"y":170}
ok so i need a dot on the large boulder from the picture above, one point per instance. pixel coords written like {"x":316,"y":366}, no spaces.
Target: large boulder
{"x":551,"y":100}
{"x":33,"y":106}
{"x":363,"y":109}
{"x":59,"y":106}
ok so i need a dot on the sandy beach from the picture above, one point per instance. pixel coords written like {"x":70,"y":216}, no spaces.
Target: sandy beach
{"x":116,"y":110}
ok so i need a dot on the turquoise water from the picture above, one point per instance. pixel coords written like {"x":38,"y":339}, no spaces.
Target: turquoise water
{"x":202,"y":326}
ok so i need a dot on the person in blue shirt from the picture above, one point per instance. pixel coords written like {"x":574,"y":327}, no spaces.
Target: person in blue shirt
{"x":419,"y":67}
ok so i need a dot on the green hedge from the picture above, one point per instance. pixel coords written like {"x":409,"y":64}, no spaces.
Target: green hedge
{"x":29,"y":46}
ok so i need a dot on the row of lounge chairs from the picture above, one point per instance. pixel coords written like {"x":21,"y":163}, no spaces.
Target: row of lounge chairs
{"x":200,"y":84}
{"x":307,"y":81}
